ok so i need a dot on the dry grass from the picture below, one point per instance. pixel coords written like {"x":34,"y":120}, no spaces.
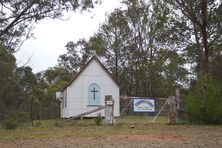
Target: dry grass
{"x":129,"y":131}
{"x":80,"y":128}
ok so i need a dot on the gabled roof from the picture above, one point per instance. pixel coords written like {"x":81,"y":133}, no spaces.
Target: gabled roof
{"x":94,"y":57}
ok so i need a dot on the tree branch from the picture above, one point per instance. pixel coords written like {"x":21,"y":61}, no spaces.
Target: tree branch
{"x":4,"y":31}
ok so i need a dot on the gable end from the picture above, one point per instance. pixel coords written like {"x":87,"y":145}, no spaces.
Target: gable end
{"x":83,"y":68}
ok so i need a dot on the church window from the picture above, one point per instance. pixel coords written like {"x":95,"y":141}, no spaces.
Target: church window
{"x":94,"y":94}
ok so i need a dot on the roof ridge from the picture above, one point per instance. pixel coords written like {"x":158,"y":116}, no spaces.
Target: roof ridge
{"x":96,"y":58}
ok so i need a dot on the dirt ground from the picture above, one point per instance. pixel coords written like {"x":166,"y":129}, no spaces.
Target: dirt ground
{"x":178,"y":136}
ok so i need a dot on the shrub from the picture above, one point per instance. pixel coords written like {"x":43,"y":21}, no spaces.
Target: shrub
{"x":14,"y":118}
{"x":38,"y":124}
{"x":98,"y":119}
{"x":207,"y":110}
{"x":21,"y":117}
{"x":58,"y":123}
{"x":10,"y":123}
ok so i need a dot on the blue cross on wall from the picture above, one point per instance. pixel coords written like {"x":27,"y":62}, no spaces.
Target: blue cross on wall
{"x":94,"y":93}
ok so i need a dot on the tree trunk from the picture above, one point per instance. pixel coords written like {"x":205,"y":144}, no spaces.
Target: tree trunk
{"x":200,"y":50}
{"x":116,"y":66}
{"x":206,"y":47}
{"x":151,"y":67}
{"x":31,"y":111}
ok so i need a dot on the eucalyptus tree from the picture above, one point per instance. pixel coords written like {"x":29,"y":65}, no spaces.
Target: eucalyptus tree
{"x":17,"y":85}
{"x":216,"y":68}
{"x":137,"y":45}
{"x":48,"y":83}
{"x":71,"y":59}
{"x":17,"y":17}
{"x":153,"y":43}
{"x":136,"y":15}
{"x":27,"y":84}
{"x":203,"y":103}
{"x":78,"y":53}
{"x":204,"y":18}
{"x":115,"y":34}
{"x":8,"y":80}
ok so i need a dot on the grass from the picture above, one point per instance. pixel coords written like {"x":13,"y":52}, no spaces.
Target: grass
{"x":87,"y":128}
{"x":80,"y":128}
{"x":142,"y":119}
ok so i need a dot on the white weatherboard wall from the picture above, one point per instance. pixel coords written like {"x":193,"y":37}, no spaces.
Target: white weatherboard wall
{"x":77,"y":91}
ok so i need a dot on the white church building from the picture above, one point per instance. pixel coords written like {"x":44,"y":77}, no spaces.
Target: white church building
{"x":87,"y":91}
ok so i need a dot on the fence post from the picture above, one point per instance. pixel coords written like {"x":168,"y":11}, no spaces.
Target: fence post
{"x":109,"y":109}
{"x":178,"y":102}
{"x":177,"y":93}
{"x":173,"y":110}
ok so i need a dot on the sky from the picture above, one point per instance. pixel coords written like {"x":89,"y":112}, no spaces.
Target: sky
{"x":51,"y":36}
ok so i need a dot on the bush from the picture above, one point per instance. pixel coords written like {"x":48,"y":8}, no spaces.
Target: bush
{"x":21,"y":117}
{"x":207,"y":110}
{"x":38,"y":124}
{"x":10,"y":123}
{"x":58,"y":123}
{"x":14,"y":118}
{"x":98,"y":119}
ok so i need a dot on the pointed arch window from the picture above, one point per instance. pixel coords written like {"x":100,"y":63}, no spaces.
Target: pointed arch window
{"x":94,"y":94}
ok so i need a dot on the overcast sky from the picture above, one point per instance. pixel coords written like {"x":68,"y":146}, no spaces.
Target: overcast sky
{"x":51,"y":36}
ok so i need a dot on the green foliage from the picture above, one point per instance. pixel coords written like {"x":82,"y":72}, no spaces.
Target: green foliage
{"x":16,"y":88}
{"x":17,"y":16}
{"x":7,"y":77}
{"x":137,"y":46}
{"x":38,"y":124}
{"x":9,"y":123}
{"x":10,"y":94}
{"x":216,"y":68}
{"x":21,"y":117}
{"x":49,"y":82}
{"x":98,"y":120}
{"x":58,"y":123}
{"x":207,"y":110}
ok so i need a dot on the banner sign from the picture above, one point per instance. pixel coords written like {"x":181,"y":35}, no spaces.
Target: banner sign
{"x":143,"y":105}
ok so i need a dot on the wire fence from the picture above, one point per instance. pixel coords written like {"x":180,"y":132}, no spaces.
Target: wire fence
{"x":162,"y":109}
{"x":126,"y":107}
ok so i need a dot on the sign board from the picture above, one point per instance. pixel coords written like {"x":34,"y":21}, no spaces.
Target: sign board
{"x":109,"y":102}
{"x":143,"y":105}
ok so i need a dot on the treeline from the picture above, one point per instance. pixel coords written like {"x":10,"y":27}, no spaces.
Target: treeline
{"x":153,"y":47}
{"x":25,"y":96}
{"x":150,"y":47}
